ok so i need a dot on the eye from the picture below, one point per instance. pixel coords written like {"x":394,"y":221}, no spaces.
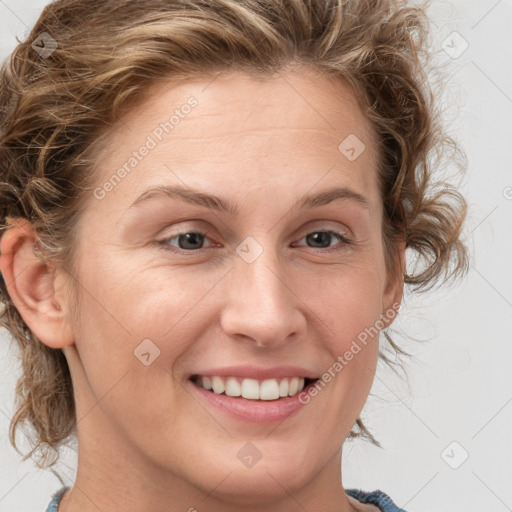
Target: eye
{"x":191,"y":241}
{"x":324,"y":239}
{"x":186,"y":241}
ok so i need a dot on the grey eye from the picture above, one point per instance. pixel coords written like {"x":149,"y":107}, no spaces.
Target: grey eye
{"x":188,"y":241}
{"x":320,"y":238}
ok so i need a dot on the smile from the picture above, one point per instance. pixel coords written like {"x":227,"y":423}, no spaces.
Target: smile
{"x":252,"y":389}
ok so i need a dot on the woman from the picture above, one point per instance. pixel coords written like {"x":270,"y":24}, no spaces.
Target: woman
{"x":205,"y":209}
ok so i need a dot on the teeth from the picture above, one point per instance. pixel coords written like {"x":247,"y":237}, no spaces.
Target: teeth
{"x":294,"y":386}
{"x":284,"y":385}
{"x":233,"y":387}
{"x":207,"y":383}
{"x":218,"y":385}
{"x":252,"y":389}
{"x":269,"y":390}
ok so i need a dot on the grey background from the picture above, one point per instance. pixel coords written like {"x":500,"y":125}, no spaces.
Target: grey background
{"x":459,"y":380}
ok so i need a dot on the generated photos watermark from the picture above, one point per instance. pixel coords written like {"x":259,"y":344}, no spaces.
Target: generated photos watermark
{"x":343,"y":360}
{"x":156,"y":136}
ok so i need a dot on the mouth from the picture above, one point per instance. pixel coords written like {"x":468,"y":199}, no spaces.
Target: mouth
{"x":252,"y":389}
{"x":254,"y":394}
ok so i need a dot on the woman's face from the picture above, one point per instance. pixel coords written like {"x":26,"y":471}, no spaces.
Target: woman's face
{"x":241,"y":243}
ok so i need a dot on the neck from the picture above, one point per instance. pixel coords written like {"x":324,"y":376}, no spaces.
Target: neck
{"x":111,"y":479}
{"x":114,"y":474}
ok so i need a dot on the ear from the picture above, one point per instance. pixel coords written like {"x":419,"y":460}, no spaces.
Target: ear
{"x":35,"y":287}
{"x":393,"y":292}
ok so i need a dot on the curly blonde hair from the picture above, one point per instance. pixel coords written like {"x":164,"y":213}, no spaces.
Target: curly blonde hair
{"x":55,"y":107}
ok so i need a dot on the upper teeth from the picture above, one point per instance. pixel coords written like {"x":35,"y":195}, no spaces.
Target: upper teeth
{"x":252,"y":389}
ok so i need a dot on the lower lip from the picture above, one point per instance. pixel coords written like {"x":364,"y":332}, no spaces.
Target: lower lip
{"x":255,"y":411}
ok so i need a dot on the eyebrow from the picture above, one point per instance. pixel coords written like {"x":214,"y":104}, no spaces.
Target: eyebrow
{"x":212,"y":202}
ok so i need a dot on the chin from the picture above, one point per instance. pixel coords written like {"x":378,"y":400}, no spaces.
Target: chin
{"x":257,"y":487}
{"x":268,"y":480}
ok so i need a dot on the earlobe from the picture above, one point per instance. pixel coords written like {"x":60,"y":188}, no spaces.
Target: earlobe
{"x":394,"y":290}
{"x":35,"y":287}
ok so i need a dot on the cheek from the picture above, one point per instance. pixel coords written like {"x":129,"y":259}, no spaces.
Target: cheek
{"x":346,"y":302}
{"x":348,"y":310}
{"x":120,"y":308}
{"x":143,"y":301}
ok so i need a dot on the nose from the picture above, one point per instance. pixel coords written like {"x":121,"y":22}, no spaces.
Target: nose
{"x":262,"y":302}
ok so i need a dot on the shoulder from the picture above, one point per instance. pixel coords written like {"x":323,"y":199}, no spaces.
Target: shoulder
{"x":54,"y":503}
{"x":378,"y":498}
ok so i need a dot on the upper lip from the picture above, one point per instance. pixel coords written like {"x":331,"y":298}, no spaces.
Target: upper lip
{"x":257,"y":372}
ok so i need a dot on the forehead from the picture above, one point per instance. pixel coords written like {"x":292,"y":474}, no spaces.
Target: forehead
{"x":231,"y":127}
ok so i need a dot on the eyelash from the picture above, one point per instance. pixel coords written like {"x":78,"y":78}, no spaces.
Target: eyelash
{"x":342,"y":237}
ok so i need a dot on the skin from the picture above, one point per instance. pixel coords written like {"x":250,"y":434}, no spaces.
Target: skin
{"x":145,"y":443}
